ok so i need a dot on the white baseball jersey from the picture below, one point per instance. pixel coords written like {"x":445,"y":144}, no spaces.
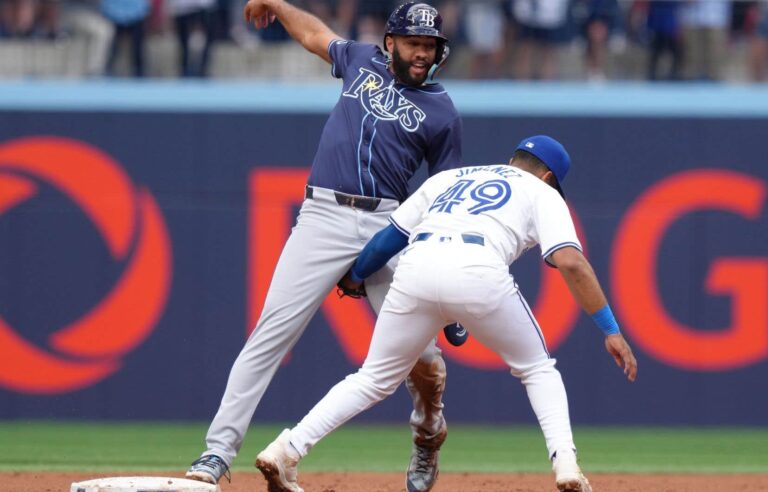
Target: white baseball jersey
{"x":465,"y":227}
{"x":512,"y":209}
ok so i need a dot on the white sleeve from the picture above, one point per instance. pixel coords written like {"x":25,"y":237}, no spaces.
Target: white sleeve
{"x":553,"y":225}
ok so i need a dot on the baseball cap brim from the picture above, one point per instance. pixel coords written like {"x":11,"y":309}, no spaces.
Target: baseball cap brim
{"x":556,"y":185}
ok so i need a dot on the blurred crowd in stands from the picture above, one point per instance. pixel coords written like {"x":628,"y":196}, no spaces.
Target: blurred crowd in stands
{"x":490,"y":39}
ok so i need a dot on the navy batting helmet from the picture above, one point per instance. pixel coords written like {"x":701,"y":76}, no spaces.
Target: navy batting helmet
{"x":415,"y":19}
{"x":419,"y":19}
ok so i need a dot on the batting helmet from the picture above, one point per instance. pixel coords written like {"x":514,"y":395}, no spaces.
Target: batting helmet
{"x":419,"y":19}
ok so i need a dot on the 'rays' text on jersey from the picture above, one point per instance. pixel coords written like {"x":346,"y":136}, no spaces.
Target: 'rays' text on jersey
{"x":385,"y":102}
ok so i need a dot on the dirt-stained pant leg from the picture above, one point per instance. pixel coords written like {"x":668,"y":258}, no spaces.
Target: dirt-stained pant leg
{"x":426,"y":381}
{"x":426,"y":384}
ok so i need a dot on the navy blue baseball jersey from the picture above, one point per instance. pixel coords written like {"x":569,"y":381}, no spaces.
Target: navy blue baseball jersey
{"x":380,"y":131}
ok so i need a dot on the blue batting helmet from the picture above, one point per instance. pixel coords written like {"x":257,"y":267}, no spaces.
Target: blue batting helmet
{"x":419,"y":19}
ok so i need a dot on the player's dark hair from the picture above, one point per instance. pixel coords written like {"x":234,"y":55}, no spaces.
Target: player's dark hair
{"x":529,"y":162}
{"x":522,"y":157}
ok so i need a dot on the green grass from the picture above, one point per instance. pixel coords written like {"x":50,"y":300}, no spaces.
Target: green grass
{"x":164,"y":446}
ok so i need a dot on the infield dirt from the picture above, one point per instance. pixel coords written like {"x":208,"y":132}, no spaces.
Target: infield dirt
{"x":393,"y":482}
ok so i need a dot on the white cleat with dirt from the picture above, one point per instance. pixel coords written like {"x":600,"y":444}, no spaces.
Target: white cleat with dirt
{"x":279,"y":464}
{"x":568,"y":476}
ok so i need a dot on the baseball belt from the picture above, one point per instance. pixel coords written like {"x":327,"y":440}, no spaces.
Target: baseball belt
{"x":366,"y":203}
{"x":467,"y":238}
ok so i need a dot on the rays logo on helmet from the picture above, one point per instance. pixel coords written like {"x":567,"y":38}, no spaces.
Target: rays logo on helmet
{"x":423,"y":15}
{"x":420,"y":19}
{"x":416,"y":19}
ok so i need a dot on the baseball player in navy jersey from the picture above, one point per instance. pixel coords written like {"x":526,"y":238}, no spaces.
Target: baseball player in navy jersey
{"x":462,"y":229}
{"x":389,"y":118}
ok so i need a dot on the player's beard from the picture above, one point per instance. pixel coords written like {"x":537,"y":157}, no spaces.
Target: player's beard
{"x":401,"y":69}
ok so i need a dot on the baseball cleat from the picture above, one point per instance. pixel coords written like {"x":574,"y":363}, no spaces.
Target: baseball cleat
{"x":423,"y":468}
{"x":568,"y":476}
{"x":456,"y":334}
{"x":208,"y":468}
{"x":279,"y":464}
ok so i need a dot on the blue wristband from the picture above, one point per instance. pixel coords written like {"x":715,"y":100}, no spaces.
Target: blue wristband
{"x":605,"y":321}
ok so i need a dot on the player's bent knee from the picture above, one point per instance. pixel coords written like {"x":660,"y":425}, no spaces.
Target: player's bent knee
{"x":547,"y":366}
{"x":375,"y":386}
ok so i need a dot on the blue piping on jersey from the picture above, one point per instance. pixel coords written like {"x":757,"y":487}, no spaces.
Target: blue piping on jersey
{"x":399,"y":227}
{"x":374,"y":60}
{"x":387,"y":104}
{"x":554,"y":248}
{"x":359,"y":164}
{"x":370,"y":157}
{"x":533,"y":320}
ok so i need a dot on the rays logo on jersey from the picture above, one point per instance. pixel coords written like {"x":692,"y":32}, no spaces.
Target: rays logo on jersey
{"x":385,"y":102}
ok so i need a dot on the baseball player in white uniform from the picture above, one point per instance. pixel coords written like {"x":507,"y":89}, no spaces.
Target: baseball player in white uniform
{"x":463,"y":228}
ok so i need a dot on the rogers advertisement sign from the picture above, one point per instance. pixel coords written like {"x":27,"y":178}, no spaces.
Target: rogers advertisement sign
{"x":192,"y":220}
{"x":130,"y":223}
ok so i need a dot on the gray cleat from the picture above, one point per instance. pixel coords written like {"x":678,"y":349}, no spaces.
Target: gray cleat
{"x":208,"y":468}
{"x":423,"y":468}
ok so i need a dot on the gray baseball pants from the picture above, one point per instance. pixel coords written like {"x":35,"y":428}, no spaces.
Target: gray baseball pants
{"x":320,"y":249}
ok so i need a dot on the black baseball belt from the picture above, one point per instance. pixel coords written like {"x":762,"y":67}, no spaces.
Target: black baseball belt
{"x":367,"y":203}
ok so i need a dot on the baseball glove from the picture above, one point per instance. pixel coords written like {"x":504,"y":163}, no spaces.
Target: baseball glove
{"x":346,"y":287}
{"x":353,"y":292}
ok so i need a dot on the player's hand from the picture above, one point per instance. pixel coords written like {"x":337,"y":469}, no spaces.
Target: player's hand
{"x":348,"y":287}
{"x":258,"y":13}
{"x":622,"y":354}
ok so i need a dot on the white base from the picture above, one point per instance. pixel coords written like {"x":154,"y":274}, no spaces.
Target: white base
{"x":143,"y":484}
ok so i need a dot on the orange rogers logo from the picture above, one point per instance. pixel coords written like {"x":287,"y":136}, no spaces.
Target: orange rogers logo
{"x":129,"y":221}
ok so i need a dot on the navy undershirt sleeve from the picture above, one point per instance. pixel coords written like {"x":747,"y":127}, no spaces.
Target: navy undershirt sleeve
{"x":384,"y":245}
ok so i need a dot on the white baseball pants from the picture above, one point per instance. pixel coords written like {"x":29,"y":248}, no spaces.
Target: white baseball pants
{"x":320,"y":249}
{"x":438,"y":283}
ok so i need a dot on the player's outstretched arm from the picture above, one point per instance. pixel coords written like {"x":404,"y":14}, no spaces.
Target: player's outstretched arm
{"x":377,"y":252}
{"x":304,"y":27}
{"x":584,"y":286}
